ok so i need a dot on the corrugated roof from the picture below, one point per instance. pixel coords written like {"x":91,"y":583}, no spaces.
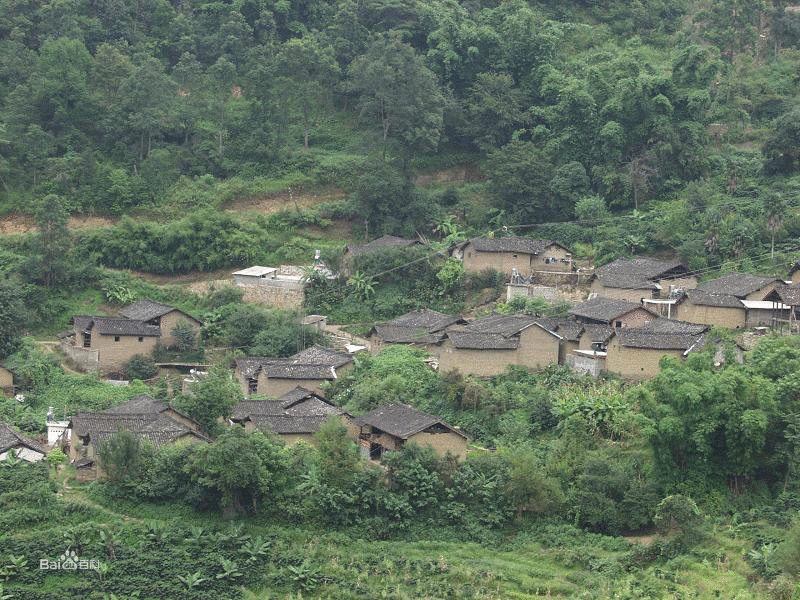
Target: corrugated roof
{"x":521,"y":245}
{"x":638,"y":272}
{"x":386,"y":241}
{"x":737,"y":284}
{"x":402,"y":420}
{"x":145,"y":310}
{"x":603,"y":309}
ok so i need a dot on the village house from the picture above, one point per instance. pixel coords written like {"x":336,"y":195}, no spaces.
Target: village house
{"x":24,"y":448}
{"x":107,"y":343}
{"x":6,"y":382}
{"x":735,"y":301}
{"x":636,"y":352}
{"x":394,"y":426}
{"x":145,"y":417}
{"x":295,"y":416}
{"x":786,"y":307}
{"x":632,"y":279}
{"x":490,"y":345}
{"x":612,"y":312}
{"x":273,"y":377}
{"x":421,"y":328}
{"x":587,"y":345}
{"x":161,"y":315}
{"x":505,"y":254}
{"x":793,"y":277}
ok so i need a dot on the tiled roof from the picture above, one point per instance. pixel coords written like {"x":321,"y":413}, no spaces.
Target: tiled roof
{"x":789,"y":295}
{"x":737,"y":284}
{"x":115,"y":326}
{"x":425,"y":319}
{"x":138,"y":405}
{"x":288,"y":369}
{"x":521,"y":245}
{"x":638,"y":273}
{"x":469,"y":340}
{"x":298,"y":402}
{"x":145,"y":310}
{"x":503,"y":324}
{"x":387,"y":241}
{"x":10,"y":438}
{"x":570,"y":330}
{"x":703,"y":298}
{"x":402,"y":420}
{"x":250,"y":365}
{"x":318,"y":355}
{"x":407,"y":335}
{"x":286,"y":424}
{"x":158,"y":428}
{"x":603,"y":309}
{"x":673,"y":326}
{"x":598,"y":333}
{"x":634,"y":338}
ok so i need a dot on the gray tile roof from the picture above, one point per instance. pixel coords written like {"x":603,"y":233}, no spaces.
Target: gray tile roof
{"x":10,"y":438}
{"x":638,"y":273}
{"x":737,"y":284}
{"x":570,"y":330}
{"x":250,"y":365}
{"x":386,"y":241}
{"x":520,"y":245}
{"x":503,"y":324}
{"x":634,"y":338}
{"x":703,"y":298}
{"x":674,"y":326}
{"x":159,"y":428}
{"x":598,"y":333}
{"x":287,"y":424}
{"x":299,"y":402}
{"x":138,"y":405}
{"x":468,"y":340}
{"x":787,"y":294}
{"x":288,"y":369}
{"x":407,"y":335}
{"x":425,"y":319}
{"x":402,"y":420}
{"x":318,"y":355}
{"x":115,"y":326}
{"x":145,"y":310}
{"x":602,"y":309}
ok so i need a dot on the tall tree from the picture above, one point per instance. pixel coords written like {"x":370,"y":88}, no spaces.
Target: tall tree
{"x":306,"y":72}
{"x":398,"y":91}
{"x":775,"y":212}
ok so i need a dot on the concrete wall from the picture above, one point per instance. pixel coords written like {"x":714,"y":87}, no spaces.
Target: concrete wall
{"x":732,"y":318}
{"x":586,"y":364}
{"x":279,"y":297}
{"x":685,"y":283}
{"x":538,"y":262}
{"x":442,"y":443}
{"x":483,"y":363}
{"x":84,"y":359}
{"x":635,"y":363}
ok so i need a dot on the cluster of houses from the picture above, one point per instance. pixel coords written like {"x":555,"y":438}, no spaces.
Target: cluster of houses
{"x":638,"y":311}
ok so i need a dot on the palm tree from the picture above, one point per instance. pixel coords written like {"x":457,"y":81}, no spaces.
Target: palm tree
{"x":775,"y":208}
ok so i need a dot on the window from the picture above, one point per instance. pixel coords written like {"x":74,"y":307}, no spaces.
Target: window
{"x":87,"y":340}
{"x":116,"y":338}
{"x":619,"y":323}
{"x":514,"y":255}
{"x":252,"y":386}
{"x":141,"y":338}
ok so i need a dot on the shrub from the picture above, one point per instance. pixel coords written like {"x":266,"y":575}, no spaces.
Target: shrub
{"x":140,"y":366}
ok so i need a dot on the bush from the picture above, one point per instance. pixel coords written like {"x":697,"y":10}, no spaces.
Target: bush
{"x":141,"y":367}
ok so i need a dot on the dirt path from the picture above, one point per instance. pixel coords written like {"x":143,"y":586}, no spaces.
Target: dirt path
{"x":18,"y":223}
{"x":272,"y":203}
{"x":51,"y":347}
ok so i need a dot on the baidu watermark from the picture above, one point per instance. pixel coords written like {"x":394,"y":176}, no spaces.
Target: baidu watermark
{"x":69,"y":561}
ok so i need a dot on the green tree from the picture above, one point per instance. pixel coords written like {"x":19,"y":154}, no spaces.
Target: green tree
{"x":591,"y":209}
{"x":140,"y":366}
{"x":211,"y":398}
{"x":185,"y":335}
{"x":50,"y":261}
{"x":775,"y":212}
{"x":123,"y":457}
{"x":12,"y":311}
{"x":306,"y":72}
{"x":519,"y":182}
{"x":397,"y":90}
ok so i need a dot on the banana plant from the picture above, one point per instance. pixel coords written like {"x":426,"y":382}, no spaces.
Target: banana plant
{"x":192,"y":580}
